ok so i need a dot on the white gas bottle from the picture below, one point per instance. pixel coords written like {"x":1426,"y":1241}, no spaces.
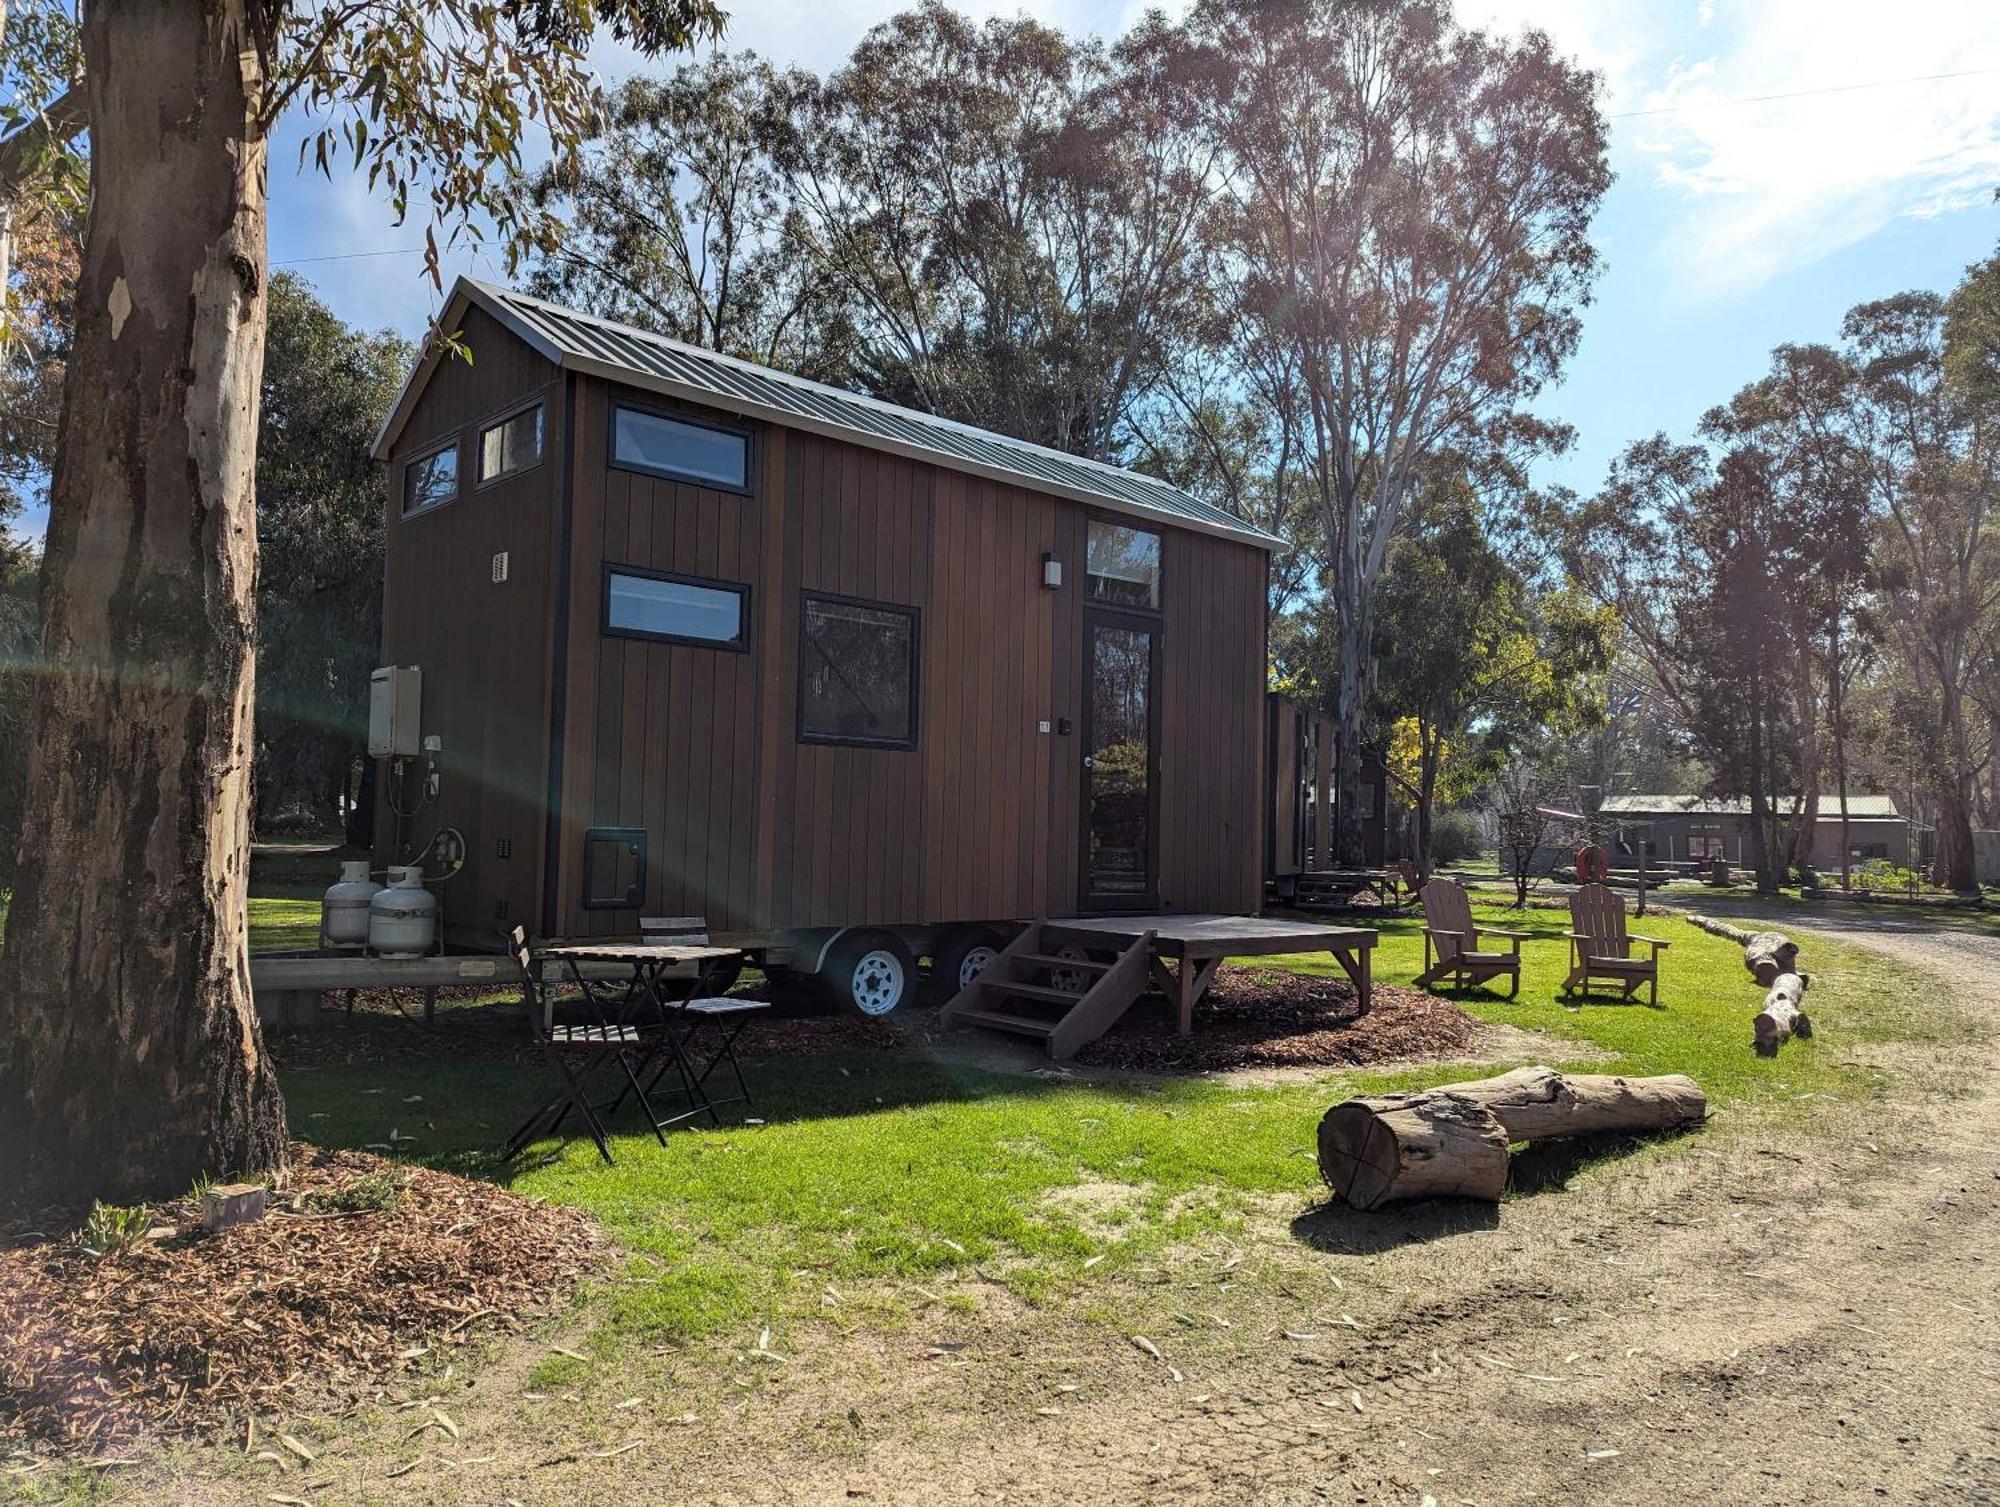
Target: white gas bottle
{"x":343,"y":909}
{"x":402,"y":918}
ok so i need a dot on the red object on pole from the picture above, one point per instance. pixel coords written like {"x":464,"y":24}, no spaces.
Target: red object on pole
{"x":1592,"y":863}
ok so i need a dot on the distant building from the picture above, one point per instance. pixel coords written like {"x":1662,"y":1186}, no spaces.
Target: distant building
{"x":1680,"y":827}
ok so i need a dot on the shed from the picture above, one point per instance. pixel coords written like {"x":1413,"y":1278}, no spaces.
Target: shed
{"x":1682,"y":827}
{"x":697,"y":637}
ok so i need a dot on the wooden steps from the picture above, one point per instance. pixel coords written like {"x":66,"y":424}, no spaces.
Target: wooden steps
{"x":1024,"y":974}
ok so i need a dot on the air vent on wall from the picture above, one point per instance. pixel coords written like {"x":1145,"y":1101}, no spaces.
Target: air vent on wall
{"x":499,"y":567}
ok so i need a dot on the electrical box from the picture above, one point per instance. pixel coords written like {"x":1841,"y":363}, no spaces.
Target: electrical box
{"x":395,"y":705}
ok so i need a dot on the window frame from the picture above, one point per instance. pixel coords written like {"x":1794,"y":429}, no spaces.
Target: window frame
{"x":632,"y":837}
{"x":1121,"y":520}
{"x":692,"y":420}
{"x":807,"y":596}
{"x":738,"y":645}
{"x":404,"y":512}
{"x":507,"y":416}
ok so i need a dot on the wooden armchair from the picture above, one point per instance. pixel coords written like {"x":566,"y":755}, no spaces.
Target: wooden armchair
{"x":1450,"y":936}
{"x":1600,"y":946}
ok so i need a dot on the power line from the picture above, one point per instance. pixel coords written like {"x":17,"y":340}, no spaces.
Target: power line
{"x":1762,"y":99}
{"x":348,"y":256}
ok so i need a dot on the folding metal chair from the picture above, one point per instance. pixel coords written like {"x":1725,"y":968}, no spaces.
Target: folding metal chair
{"x":684,"y":1021}
{"x":598,"y":1039}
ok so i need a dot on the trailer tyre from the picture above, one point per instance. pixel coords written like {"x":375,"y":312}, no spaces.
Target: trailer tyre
{"x":869,"y":973}
{"x":964,"y":954}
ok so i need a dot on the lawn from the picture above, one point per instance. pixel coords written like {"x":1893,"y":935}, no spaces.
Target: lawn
{"x":882,"y":1168}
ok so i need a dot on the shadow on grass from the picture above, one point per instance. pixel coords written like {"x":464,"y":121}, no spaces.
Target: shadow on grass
{"x":1550,"y":1166}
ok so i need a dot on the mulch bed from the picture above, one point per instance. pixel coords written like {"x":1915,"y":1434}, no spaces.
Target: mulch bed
{"x":1268,"y":1018}
{"x":196,"y":1332}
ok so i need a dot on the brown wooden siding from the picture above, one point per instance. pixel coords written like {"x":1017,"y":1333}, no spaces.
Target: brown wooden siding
{"x":483,"y":647}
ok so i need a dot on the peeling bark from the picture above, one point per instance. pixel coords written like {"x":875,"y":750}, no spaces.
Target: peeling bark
{"x":130,"y":1055}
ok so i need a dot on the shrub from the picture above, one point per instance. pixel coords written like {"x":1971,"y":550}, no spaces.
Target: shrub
{"x":113,"y":1227}
{"x":1456,"y":836}
{"x":370,"y":1193}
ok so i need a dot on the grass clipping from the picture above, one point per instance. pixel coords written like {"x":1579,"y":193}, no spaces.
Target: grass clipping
{"x":361,"y":1266}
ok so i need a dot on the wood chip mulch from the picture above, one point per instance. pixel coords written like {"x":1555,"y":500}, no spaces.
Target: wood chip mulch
{"x":194,"y":1332}
{"x":1269,"y":1018}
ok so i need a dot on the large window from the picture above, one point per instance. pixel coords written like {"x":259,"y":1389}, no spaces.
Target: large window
{"x":857,"y":673}
{"x":1123,"y":566}
{"x":663,"y":446}
{"x":513,"y":444}
{"x":679,"y":609}
{"x":430,"y":480}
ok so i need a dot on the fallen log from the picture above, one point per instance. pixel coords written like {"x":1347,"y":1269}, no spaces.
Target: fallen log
{"x":1452,"y":1140}
{"x":1768,"y":954}
{"x":1782,"y":1018}
{"x":1717,"y":928}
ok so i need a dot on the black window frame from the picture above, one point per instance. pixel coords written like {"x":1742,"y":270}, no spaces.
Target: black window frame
{"x":692,"y":420}
{"x":738,"y":645}
{"x":833,"y":740}
{"x":632,"y":837}
{"x":1120,"y":520}
{"x":404,"y":512}
{"x":487,"y":426}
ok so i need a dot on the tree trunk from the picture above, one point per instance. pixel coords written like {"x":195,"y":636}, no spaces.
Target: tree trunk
{"x":1350,"y":700}
{"x":1440,"y":1142}
{"x":1768,"y":954}
{"x":130,"y":1056}
{"x":1781,"y":1018}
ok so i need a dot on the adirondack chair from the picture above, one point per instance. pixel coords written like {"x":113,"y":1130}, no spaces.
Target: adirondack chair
{"x":1410,"y":881}
{"x":1451,"y":936}
{"x":1600,"y":946}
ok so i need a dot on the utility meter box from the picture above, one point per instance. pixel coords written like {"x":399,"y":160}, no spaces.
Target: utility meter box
{"x":395,"y":705}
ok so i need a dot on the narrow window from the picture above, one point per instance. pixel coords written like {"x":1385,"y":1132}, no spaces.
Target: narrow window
{"x":857,"y":673}
{"x":1122,"y":566}
{"x":662,"y":446}
{"x":678,"y":609}
{"x":430,"y":480}
{"x":513,"y":444}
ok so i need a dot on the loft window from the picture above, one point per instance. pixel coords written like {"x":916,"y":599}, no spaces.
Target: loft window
{"x":857,"y":673}
{"x":677,"y":609}
{"x":614,"y":868}
{"x":680,"y":448}
{"x":1122,"y":566}
{"x":513,"y":444}
{"x":431,"y":480}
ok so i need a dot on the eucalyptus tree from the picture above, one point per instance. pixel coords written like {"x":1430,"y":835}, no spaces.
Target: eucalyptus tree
{"x":679,"y":221}
{"x":130,"y":1056}
{"x":1009,"y":215}
{"x":1404,"y":204}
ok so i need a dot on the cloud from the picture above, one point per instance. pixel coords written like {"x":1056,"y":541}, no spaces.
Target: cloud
{"x":1755,"y":191}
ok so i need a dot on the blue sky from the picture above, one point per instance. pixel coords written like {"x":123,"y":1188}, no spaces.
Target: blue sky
{"x":1732,"y":226}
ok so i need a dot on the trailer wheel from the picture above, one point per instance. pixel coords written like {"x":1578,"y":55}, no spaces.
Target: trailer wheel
{"x":964,"y":954}
{"x":869,"y":972}
{"x":1073,"y":980}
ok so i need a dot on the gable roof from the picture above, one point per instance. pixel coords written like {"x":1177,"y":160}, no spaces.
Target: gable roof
{"x":575,"y":341}
{"x":1867,"y":808}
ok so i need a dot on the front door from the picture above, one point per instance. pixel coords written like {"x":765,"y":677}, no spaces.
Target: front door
{"x":1121,"y":779}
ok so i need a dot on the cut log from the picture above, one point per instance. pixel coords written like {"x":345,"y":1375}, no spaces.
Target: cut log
{"x":1768,"y":954}
{"x":1374,"y":1151}
{"x":1442,"y":1141}
{"x":1782,"y":1018}
{"x":1717,"y":928}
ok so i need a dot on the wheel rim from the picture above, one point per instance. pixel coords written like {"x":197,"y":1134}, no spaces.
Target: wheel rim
{"x":975,"y":962}
{"x":1075,"y":980}
{"x":877,"y":982}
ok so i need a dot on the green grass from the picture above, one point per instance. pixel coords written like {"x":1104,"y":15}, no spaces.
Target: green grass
{"x":885,"y":1166}
{"x":284,"y":917}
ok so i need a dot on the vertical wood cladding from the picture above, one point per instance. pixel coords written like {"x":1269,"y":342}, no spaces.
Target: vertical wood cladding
{"x":483,"y":647}
{"x":747,"y":825}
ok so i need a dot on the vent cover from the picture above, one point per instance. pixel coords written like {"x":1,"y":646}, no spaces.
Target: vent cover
{"x":499,"y":567}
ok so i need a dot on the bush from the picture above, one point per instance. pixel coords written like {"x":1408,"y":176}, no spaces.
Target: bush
{"x":112,"y":1227}
{"x":1456,"y":836}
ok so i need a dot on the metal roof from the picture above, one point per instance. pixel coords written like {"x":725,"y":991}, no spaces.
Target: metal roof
{"x":583,"y":342}
{"x":1867,"y":808}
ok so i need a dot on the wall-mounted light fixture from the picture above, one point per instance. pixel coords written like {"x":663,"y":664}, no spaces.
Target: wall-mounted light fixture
{"x":1052,"y":572}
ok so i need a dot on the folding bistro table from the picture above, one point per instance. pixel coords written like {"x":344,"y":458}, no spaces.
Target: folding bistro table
{"x":665,"y":1003}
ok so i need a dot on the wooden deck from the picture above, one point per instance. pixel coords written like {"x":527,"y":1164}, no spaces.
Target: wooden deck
{"x":1187,"y":950}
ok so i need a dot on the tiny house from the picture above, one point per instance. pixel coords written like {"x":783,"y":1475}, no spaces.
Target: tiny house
{"x":694,"y":637}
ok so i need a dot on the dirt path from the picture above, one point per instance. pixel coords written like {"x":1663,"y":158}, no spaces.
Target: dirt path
{"x":1762,"y":1319}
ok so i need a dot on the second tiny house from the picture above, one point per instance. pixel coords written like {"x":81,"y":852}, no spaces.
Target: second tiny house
{"x":700,"y":638}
